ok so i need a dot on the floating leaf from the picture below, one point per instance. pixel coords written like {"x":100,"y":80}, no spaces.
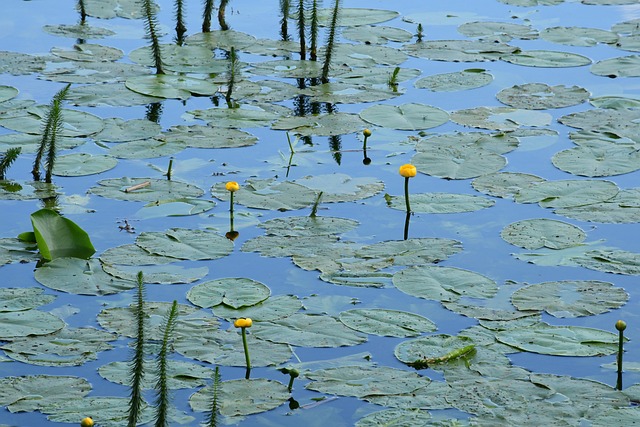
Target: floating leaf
{"x":82,"y":164}
{"x":443,"y":283}
{"x":405,"y":117}
{"x":308,"y":331}
{"x":546,"y":58}
{"x":79,"y":276}
{"x":500,"y":118}
{"x":208,"y":137}
{"x":170,"y":86}
{"x":504,"y":184}
{"x":17,"y":324}
{"x":460,"y":50}
{"x":595,"y":159}
{"x":460,"y":162}
{"x":163,"y":274}
{"x":321,"y":125}
{"x":35,"y":392}
{"x":459,"y":80}
{"x":567,"y":193}
{"x":623,"y":208}
{"x":570,"y":298}
{"x":146,"y":149}
{"x":578,"y":36}
{"x":118,"y":130}
{"x":540,"y":96}
{"x":498,"y":31}
{"x":180,"y":374}
{"x":434,"y":349}
{"x":268,"y":194}
{"x":338,"y":187}
{"x":132,"y":255}
{"x":75,"y":123}
{"x":441,"y":203}
{"x":235,"y":292}
{"x":182,"y":243}
{"x":183,"y":206}
{"x":395,"y":417}
{"x":541,"y":233}
{"x":275,"y":307}
{"x":624,"y":66}
{"x":21,"y":299}
{"x":408,"y":252}
{"x":389,"y":323}
{"x":561,"y":340}
{"x":159,"y":189}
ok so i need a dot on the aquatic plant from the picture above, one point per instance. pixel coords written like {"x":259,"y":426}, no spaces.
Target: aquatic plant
{"x":169,"y":169}
{"x":58,"y":237}
{"x":284,"y":21}
{"x":222,"y":9}
{"x":232,"y":75}
{"x":162,"y":387}
{"x":407,"y":171}
{"x":300,"y":22}
{"x":206,"y":16}
{"x":136,"y":363}
{"x":52,"y":128}
{"x":86,"y":422}
{"x":419,"y":34}
{"x":243,"y":323}
{"x":7,"y":159}
{"x":314,"y":209}
{"x":621,"y":325}
{"x":313,"y":31}
{"x":212,"y":416}
{"x":150,"y":25}
{"x":331,"y":39}
{"x":181,"y":29}
{"x":392,"y":82}
{"x":82,"y":10}
{"x":426,"y":362}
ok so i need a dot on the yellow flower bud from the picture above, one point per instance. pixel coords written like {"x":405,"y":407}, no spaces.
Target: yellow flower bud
{"x":243,"y":323}
{"x":621,"y":325}
{"x":86,"y":422}
{"x":232,"y":186}
{"x":366,"y":133}
{"x":408,"y":171}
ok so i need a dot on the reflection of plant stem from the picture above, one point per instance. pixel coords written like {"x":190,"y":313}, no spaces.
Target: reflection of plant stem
{"x":153,"y":112}
{"x":406,"y":225}
{"x":206,"y":16}
{"x":301,"y":29}
{"x":181,"y":29}
{"x":284,"y":22}
{"x":330,"y":42}
{"x":620,"y":326}
{"x":162,"y":387}
{"x":221,"y":12}
{"x":232,"y":74}
{"x":52,"y":127}
{"x":136,"y":364}
{"x":83,"y":11}
{"x":313,"y":55}
{"x":314,"y":209}
{"x":212,"y":420}
{"x":7,"y":159}
{"x":150,"y":24}
{"x":169,"y":169}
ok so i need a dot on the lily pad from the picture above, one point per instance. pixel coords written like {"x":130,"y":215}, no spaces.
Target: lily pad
{"x":540,"y":96}
{"x":146,"y":149}
{"x":118,"y":130}
{"x":305,"y":330}
{"x":182,"y":243}
{"x":389,"y":323}
{"x":570,"y":298}
{"x":460,"y":80}
{"x":547,"y":59}
{"x":441,"y":203}
{"x":235,"y":292}
{"x":443,"y":283}
{"x":158,"y":189}
{"x":462,"y":162}
{"x":623,"y":208}
{"x":21,"y":299}
{"x":595,"y":159}
{"x":208,"y":137}
{"x":500,"y":118}
{"x":301,"y":226}
{"x":504,"y":184}
{"x":79,"y":276}
{"x":17,"y":324}
{"x":578,"y":36}
{"x":184,"y":206}
{"x":82,"y":164}
{"x":460,"y":50}
{"x":321,"y":125}
{"x":180,"y":374}
{"x":431,"y":347}
{"x":75,"y":123}
{"x":498,"y":31}
{"x":170,"y":86}
{"x":340,"y":187}
{"x":624,"y":66}
{"x":35,"y":392}
{"x":408,"y":252}
{"x":406,"y":116}
{"x":275,"y":307}
{"x":567,"y":193}
{"x":268,"y":194}
{"x":543,"y":233}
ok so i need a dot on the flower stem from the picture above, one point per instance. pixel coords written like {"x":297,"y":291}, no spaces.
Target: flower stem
{"x":246,"y":350}
{"x":406,"y":193}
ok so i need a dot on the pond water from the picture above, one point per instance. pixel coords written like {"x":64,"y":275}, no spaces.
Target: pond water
{"x":521,"y":117}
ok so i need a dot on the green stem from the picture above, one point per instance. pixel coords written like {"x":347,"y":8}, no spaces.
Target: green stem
{"x":620,"y":350}
{"x":290,"y":386}
{"x":406,"y":193}
{"x":246,"y":350}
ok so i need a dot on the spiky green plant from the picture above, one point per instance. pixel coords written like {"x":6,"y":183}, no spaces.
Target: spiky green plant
{"x":331,"y":39}
{"x":51,"y":128}
{"x":7,"y":159}
{"x":212,"y":416}
{"x":206,"y":16}
{"x":232,"y":73}
{"x":181,"y":29}
{"x":300,"y":22}
{"x":392,"y":82}
{"x":136,"y":363}
{"x":313,"y":34}
{"x":163,"y":399}
{"x":221,"y":15}
{"x":149,"y":8}
{"x":284,"y":22}
{"x":419,"y":34}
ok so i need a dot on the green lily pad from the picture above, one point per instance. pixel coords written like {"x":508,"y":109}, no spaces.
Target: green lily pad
{"x":180,"y":374}
{"x":107,"y":94}
{"x":406,"y":116}
{"x":88,"y":52}
{"x":432,"y":347}
{"x":540,"y":96}
{"x":96,"y":72}
{"x":235,"y":292}
{"x":273,"y":308}
{"x":389,"y":323}
{"x":395,"y":417}
{"x":208,"y":137}
{"x":408,"y":252}
{"x":567,"y":193}
{"x":34,"y":392}
{"x":242,"y":397}
{"x":595,"y":159}
{"x":504,"y":184}
{"x":20,"y":64}
{"x":321,"y":125}
{"x":170,"y":86}
{"x":543,"y":233}
{"x":570,"y":298}
{"x":184,"y":206}
{"x":78,"y":31}
{"x":279,"y":246}
{"x":443,"y":283}
{"x":132,"y":255}
{"x":441,"y":203}
{"x":21,"y":299}
{"x":182,"y":243}
{"x":500,"y":118}
{"x":301,"y":226}
{"x":349,"y":93}
{"x":498,"y":31}
{"x":547,"y":59}
{"x":17,"y":324}
{"x":305,"y":330}
{"x":615,"y":261}
{"x":66,"y":347}
{"x":79,"y":276}
{"x":377,"y":75}
{"x":461,"y":162}
{"x":460,"y":50}
{"x":578,"y":36}
{"x":118,"y":130}
{"x":561,"y":340}
{"x":162,"y":274}
{"x":82,"y":164}
{"x":146,"y":149}
{"x":351,"y":17}
{"x":75,"y":123}
{"x":110,"y":410}
{"x":243,"y":117}
{"x":376,"y":34}
{"x":20,"y":190}
{"x":159,"y":189}
{"x":7,"y":93}
{"x":498,"y":143}
{"x":268,"y":194}
{"x":338,"y":187}
{"x":472,"y":78}
{"x":363,"y":381}
{"x":623,"y":208}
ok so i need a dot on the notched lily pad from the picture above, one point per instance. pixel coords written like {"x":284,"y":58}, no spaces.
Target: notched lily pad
{"x":543,"y":233}
{"x":235,"y":292}
{"x":390,"y":323}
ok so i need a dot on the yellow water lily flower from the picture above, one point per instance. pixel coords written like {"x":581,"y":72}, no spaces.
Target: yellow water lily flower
{"x":408,"y":171}
{"x":621,"y":325}
{"x":243,"y":323}
{"x":86,"y":422}
{"x":232,"y":186}
{"x":366,"y":133}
